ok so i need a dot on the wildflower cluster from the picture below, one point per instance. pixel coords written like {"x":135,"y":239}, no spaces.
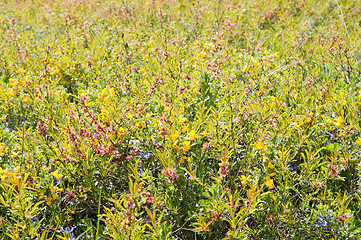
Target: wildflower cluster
{"x":180,"y":119}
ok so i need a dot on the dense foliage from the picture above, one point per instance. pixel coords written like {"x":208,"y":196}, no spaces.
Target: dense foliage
{"x":171,"y":119}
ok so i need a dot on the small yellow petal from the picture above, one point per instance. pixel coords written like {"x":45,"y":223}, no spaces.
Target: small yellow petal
{"x":271,"y":166}
{"x":57,"y":175}
{"x":48,"y":201}
{"x":186,"y":145}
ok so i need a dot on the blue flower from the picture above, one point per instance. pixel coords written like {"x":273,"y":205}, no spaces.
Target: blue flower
{"x":130,"y":57}
{"x":322,"y":221}
{"x":141,"y":171}
{"x":186,"y":175}
{"x":291,"y":167}
{"x":227,"y":216}
{"x":69,"y":233}
{"x":239,"y":151}
{"x":57,"y":181}
{"x":146,"y":154}
{"x":329,"y":134}
{"x":36,"y":218}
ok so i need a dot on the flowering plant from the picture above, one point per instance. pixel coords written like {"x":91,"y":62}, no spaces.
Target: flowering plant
{"x":180,"y":119}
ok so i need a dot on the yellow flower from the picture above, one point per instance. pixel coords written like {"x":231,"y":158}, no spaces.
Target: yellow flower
{"x":23,"y":81}
{"x":244,"y":180}
{"x":271,"y":166}
{"x":186,"y":145}
{"x":13,"y":179}
{"x":338,"y":122}
{"x":14,"y":83}
{"x":67,"y":147}
{"x":2,"y":148}
{"x":182,"y":119}
{"x":192,"y":135}
{"x":249,"y":194}
{"x":260,"y":145}
{"x":300,"y":122}
{"x":57,"y":175}
{"x":112,"y":92}
{"x":174,"y":136}
{"x":14,"y":154}
{"x":48,"y":201}
{"x":204,"y":134}
{"x":269,"y":182}
{"x":25,"y":100}
{"x":112,"y":136}
{"x":55,"y":196}
{"x":12,"y":92}
{"x":181,"y":111}
{"x":184,"y":129}
{"x":358,"y":141}
{"x":182,"y":159}
{"x":82,"y":92}
{"x":273,"y":197}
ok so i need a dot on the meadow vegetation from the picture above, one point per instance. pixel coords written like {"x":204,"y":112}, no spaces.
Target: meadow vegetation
{"x":171,"y":119}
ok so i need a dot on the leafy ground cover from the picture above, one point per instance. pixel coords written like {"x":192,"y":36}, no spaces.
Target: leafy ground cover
{"x":180,"y":119}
